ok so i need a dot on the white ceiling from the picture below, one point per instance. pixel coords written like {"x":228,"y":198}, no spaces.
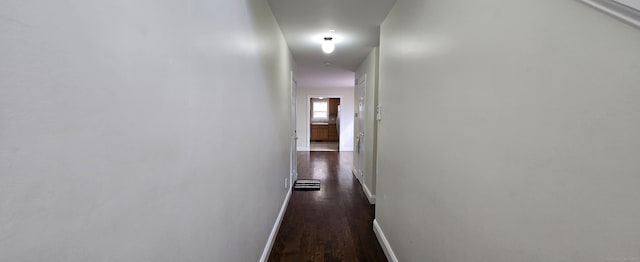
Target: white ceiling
{"x":356,"y":21}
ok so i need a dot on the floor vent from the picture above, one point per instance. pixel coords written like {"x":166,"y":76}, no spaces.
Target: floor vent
{"x":307,"y":184}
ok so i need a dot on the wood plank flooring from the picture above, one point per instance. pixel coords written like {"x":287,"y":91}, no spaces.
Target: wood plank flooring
{"x":333,"y":224}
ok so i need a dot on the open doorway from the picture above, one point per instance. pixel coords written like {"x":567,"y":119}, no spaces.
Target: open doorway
{"x":324,"y":129}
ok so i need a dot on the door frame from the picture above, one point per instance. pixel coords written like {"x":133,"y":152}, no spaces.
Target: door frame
{"x":293,"y":154}
{"x":361,"y":147}
{"x":308,"y":118}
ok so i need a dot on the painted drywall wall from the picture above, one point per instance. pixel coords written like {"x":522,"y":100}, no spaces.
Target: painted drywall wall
{"x":346,"y":114}
{"x":130,"y":130}
{"x":510,"y":132}
{"x":369,"y":70}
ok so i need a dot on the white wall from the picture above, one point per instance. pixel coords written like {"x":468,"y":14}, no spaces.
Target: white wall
{"x":131,"y":129}
{"x":368,"y":69}
{"x":346,"y":114}
{"x":510,"y":132}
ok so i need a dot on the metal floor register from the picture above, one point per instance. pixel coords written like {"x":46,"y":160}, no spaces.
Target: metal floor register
{"x":307,"y":184}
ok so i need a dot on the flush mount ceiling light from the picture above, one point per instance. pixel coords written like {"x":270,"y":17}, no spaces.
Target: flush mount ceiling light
{"x":328,"y":41}
{"x":328,"y":46}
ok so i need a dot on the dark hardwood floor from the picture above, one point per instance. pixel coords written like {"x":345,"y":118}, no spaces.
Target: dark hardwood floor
{"x":333,"y":224}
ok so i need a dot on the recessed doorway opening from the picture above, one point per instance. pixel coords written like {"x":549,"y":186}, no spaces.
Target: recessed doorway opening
{"x":324,"y":113}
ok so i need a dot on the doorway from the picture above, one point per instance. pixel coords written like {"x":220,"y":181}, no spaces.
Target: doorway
{"x":359,"y":161}
{"x":293,"y":153}
{"x":324,"y":127}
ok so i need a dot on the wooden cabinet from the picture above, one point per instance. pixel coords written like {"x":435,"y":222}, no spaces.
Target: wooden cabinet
{"x":324,"y":132}
{"x":333,"y":133}
{"x":333,"y":106}
{"x":319,"y":132}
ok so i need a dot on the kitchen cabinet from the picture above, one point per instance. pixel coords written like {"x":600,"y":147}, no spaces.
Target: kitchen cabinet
{"x":324,"y":132}
{"x":333,"y":133}
{"x":333,"y":106}
{"x":319,"y":132}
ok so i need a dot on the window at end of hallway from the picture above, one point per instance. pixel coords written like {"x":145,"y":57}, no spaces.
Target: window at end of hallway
{"x":320,"y":110}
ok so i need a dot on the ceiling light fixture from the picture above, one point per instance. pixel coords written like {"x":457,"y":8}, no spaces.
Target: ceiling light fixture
{"x":328,"y":46}
{"x":328,"y":41}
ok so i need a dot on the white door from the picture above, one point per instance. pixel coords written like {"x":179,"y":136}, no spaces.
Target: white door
{"x":293,"y":166}
{"x":360,"y":145}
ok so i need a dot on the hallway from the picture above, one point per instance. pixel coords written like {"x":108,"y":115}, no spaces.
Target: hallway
{"x":162,"y":131}
{"x":333,"y":224}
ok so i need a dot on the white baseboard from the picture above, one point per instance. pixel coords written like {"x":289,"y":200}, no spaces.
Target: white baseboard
{"x":365,"y":188}
{"x":276,"y":226}
{"x":355,"y":173}
{"x":371,"y":197}
{"x":346,"y":149}
{"x":382,"y":239}
{"x":342,"y":149}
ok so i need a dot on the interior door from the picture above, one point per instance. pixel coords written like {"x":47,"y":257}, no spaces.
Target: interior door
{"x":293,"y":166}
{"x":360,"y":145}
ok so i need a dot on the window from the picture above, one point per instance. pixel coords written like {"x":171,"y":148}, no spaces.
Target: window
{"x":320,"y":110}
